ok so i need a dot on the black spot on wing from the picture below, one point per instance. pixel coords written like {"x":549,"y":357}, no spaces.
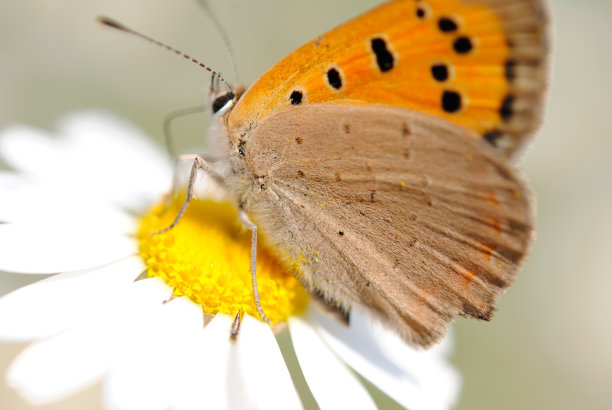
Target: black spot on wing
{"x":334,"y":79}
{"x":463,"y":45}
{"x":384,"y":58}
{"x":439,"y":72}
{"x":296,"y":97}
{"x":506,"y":111}
{"x":510,"y":70}
{"x":451,"y":101}
{"x":447,"y":25}
{"x":492,"y":136}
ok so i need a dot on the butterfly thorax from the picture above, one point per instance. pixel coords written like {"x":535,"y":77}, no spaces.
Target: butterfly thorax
{"x":229,"y":148}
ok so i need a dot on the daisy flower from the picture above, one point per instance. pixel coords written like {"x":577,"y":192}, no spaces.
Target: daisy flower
{"x":151,"y":316}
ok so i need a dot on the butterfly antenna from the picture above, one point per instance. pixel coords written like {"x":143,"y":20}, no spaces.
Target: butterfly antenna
{"x":116,"y":25}
{"x":224,"y":39}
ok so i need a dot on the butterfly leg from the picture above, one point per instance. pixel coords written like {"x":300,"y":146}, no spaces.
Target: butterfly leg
{"x":253,"y":228}
{"x":198,"y":163}
{"x":168,"y":121}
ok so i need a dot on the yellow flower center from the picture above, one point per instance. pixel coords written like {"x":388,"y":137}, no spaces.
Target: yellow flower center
{"x":206,"y":257}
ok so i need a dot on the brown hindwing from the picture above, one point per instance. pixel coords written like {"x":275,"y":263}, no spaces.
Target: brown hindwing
{"x":392,"y":209}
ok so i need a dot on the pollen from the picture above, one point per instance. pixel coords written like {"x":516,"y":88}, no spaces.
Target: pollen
{"x":206,"y":257}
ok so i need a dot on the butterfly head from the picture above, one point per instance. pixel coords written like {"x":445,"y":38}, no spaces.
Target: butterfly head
{"x":222,"y":101}
{"x":223,"y":97}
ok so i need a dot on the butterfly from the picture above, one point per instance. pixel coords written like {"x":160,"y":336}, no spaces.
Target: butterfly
{"x":378,"y":159}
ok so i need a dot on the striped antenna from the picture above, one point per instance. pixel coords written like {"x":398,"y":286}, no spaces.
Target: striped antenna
{"x":116,"y":25}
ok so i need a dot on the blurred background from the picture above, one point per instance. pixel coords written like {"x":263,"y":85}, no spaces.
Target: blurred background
{"x":550,"y":343}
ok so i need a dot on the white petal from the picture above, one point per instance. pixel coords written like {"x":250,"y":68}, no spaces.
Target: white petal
{"x":202,"y":352}
{"x":57,"y":303}
{"x":332,"y":384}
{"x":134,"y":170}
{"x":429,"y":384}
{"x":98,"y":154}
{"x":259,"y":370}
{"x":203,"y":369}
{"x":60,"y":246}
{"x":32,"y":151}
{"x":398,"y":351}
{"x":215,"y":375}
{"x":57,"y":367}
{"x":144,"y":374}
{"x":24,"y":200}
{"x":189,"y":385}
{"x":435,"y":377}
{"x":12,"y":187}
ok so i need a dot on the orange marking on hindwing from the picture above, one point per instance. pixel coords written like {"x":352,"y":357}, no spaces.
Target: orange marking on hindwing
{"x":493,"y":199}
{"x":488,"y":252}
{"x":494,"y":223}
{"x":470,"y":276}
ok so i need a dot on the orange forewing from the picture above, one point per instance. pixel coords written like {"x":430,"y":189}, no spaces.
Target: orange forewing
{"x":416,"y":44}
{"x":506,"y":39}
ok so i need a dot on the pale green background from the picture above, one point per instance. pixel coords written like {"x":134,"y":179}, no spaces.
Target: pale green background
{"x":550,"y":343}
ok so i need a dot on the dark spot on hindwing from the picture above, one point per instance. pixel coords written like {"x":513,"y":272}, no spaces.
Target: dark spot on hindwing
{"x":384,"y":58}
{"x":506,"y":111}
{"x":241,"y":145}
{"x":446,"y":25}
{"x":510,"y":70}
{"x":405,"y":130}
{"x":463,"y":45}
{"x":296,"y":97}
{"x":451,"y":101}
{"x":299,"y":140}
{"x":334,"y":79}
{"x":346,"y":128}
{"x":492,"y":136}
{"x":341,"y":233}
{"x":300,"y":173}
{"x":439,"y":72}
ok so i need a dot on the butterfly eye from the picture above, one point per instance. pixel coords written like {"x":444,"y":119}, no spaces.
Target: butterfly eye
{"x":221,"y":101}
